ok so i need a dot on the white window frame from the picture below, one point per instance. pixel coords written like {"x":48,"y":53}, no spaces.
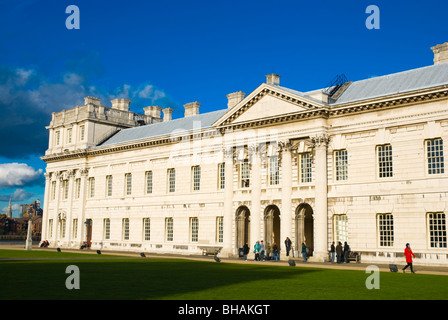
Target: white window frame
{"x":385,"y":229}
{"x":340,"y":165}
{"x":194,"y":229}
{"x":169,"y":229}
{"x":196,"y":181}
{"x":435,"y":160}
{"x":385,"y":162}
{"x":125,"y":223}
{"x":171,"y":180}
{"x":436,"y":230}
{"x":305,"y":168}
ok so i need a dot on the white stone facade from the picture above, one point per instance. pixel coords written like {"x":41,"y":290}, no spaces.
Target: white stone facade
{"x":349,"y":165}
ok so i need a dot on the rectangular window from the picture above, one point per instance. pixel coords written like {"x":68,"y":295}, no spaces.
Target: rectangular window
{"x":220,"y":229}
{"x":385,"y":169}
{"x":65,"y":189}
{"x":53,"y":190}
{"x":171,"y":180}
{"x":91,"y":187}
{"x":194,"y":226}
{"x":109,"y":186}
{"x":125,"y":229}
{"x":69,"y":135}
{"x":245,"y":174}
{"x":148,"y":179}
{"x":273,"y":171}
{"x":341,"y":165}
{"x":57,"y":138}
{"x":77,"y":188}
{"x":128,"y":178}
{"x":82,"y":130}
{"x":196,"y":178}
{"x":50,"y":228}
{"x":341,"y":228}
{"x":63,"y":224}
{"x":221,"y":176}
{"x":147,"y":229}
{"x":434,"y":155}
{"x":437,"y":230}
{"x":169,"y":229}
{"x":106,"y":229}
{"x":305,"y":167}
{"x":386,"y":230}
{"x":75,"y":229}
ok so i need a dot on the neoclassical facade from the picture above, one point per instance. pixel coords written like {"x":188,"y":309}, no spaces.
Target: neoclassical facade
{"x":360,"y":161}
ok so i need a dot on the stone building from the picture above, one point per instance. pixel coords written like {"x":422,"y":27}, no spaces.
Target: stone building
{"x":358,"y":161}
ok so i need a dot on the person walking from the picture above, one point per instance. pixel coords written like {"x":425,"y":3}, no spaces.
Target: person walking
{"x":275,"y":252}
{"x":332,"y":252}
{"x":262,"y":251}
{"x":339,"y":252}
{"x":257,"y":251}
{"x":346,"y":252}
{"x":288,"y":246}
{"x":409,"y":254}
{"x":245,"y":251}
{"x":304,"y":251}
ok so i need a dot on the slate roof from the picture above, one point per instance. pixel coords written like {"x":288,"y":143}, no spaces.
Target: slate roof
{"x":201,"y":121}
{"x":415,"y":79}
{"x":401,"y":82}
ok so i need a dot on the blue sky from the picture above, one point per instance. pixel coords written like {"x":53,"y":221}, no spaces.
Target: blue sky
{"x":169,"y":53}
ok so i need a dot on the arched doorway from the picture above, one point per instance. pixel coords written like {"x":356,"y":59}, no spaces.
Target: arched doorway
{"x":305,"y":228}
{"x":242,"y":219}
{"x":272,"y":225}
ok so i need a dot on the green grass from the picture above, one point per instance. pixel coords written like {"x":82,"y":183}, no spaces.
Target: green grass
{"x":179,"y":279}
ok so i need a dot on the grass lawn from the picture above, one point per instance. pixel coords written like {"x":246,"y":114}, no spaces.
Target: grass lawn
{"x":105,"y":278}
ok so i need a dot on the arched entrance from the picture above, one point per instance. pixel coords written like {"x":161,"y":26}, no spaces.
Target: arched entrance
{"x":272,"y":225}
{"x":305,"y":228}
{"x":242,"y":219}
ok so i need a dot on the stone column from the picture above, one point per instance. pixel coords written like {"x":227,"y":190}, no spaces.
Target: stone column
{"x":286,"y":212}
{"x":229,"y":215}
{"x":47,"y":197}
{"x":321,"y":192}
{"x":255,"y":187}
{"x":84,"y":173}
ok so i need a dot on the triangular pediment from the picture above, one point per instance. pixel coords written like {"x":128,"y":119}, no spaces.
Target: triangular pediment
{"x":268,"y":106}
{"x":267,"y":103}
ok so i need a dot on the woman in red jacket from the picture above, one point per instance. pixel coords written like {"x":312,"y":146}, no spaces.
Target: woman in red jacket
{"x":409,"y":254}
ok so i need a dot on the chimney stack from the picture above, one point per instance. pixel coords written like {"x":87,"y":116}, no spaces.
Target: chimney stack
{"x":121,"y":104}
{"x":192,"y":108}
{"x":153,"y":111}
{"x":234,"y":98}
{"x":167,"y":114}
{"x":92,"y":100}
{"x":440,"y":53}
{"x":273,"y":79}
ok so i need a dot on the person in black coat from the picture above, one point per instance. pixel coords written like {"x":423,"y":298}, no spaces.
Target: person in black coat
{"x":339,"y":252}
{"x":245,"y":251}
{"x":288,"y":246}
{"x":346,"y":252}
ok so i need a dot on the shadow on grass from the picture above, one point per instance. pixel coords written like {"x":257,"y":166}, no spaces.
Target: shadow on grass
{"x":182,"y":279}
{"x":137,"y":279}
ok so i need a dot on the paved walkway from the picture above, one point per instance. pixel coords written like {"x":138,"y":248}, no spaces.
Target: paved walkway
{"x":437,"y":270}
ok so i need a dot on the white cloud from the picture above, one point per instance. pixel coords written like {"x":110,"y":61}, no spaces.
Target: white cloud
{"x":17,"y":174}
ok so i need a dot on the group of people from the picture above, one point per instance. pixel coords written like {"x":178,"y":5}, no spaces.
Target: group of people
{"x":264,"y":252}
{"x":341,"y":253}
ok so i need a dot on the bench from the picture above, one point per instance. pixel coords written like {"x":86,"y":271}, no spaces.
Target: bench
{"x":354,"y":256}
{"x":210,"y":250}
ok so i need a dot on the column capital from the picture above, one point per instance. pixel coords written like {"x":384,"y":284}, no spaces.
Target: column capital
{"x":228,"y":152}
{"x":320,"y":139}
